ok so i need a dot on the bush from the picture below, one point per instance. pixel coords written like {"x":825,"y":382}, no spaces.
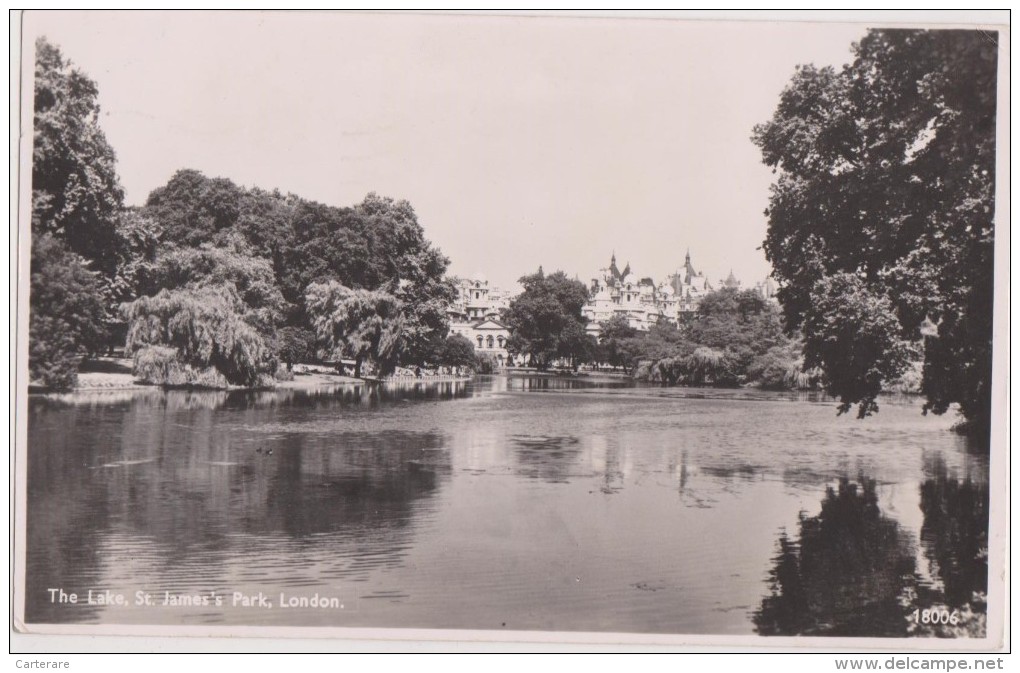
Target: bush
{"x":161,"y":365}
{"x":66,"y":314}
{"x":295,"y":344}
{"x":485,"y":363}
{"x":51,"y":359}
{"x":457,"y":351}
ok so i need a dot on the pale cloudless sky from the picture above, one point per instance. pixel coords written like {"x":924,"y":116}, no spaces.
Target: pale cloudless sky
{"x":519,"y":141}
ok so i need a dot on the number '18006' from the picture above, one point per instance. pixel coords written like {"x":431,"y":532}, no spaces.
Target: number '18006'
{"x":936,"y":616}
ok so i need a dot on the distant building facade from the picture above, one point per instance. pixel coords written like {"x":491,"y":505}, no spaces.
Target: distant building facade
{"x":475,"y":315}
{"x":642,"y":301}
{"x":767,"y":289}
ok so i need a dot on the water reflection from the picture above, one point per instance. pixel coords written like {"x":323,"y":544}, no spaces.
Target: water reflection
{"x":326,"y":394}
{"x":955,"y":542}
{"x":539,"y":503}
{"x":551,"y":458}
{"x":171,"y":492}
{"x":853,"y":571}
{"x":845,"y":573}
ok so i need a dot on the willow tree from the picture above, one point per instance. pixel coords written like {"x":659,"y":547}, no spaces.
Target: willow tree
{"x":178,"y":336}
{"x":885,"y":189}
{"x":357,"y":324}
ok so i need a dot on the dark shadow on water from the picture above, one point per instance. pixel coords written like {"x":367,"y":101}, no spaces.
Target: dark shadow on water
{"x":852,"y":571}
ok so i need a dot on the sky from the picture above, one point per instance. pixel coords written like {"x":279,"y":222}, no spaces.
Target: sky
{"x":520,"y":141}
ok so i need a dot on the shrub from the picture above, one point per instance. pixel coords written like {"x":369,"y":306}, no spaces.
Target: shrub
{"x":161,"y":365}
{"x":51,"y":358}
{"x":66,"y":314}
{"x":485,"y":363}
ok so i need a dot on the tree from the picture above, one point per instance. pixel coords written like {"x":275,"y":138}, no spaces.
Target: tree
{"x":545,"y":320}
{"x":75,"y":191}
{"x":75,"y":200}
{"x":359,"y":324}
{"x":68,"y":314}
{"x":862,"y":347}
{"x":416,"y":272}
{"x":457,"y":351}
{"x":295,"y":344}
{"x":192,"y":329}
{"x":137,"y":244}
{"x":613,"y":341}
{"x":193,"y":209}
{"x":232,"y":265}
{"x":887,"y":172}
{"x":575,"y":345}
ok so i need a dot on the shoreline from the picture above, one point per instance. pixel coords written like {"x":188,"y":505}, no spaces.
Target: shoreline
{"x":97,"y":382}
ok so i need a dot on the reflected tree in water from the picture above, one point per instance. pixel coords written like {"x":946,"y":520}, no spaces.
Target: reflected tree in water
{"x":954,"y":538}
{"x":845,"y":576}
{"x":549,"y":458}
{"x":852,"y":571}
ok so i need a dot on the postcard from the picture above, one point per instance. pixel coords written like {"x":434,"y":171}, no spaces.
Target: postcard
{"x":511,"y":328}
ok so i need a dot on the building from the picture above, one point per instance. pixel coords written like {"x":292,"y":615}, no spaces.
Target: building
{"x":689,"y":286}
{"x":475,"y":314}
{"x":640,"y":300}
{"x":767,"y":290}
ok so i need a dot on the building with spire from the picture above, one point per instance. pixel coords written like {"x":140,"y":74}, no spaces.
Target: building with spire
{"x":731,"y":281}
{"x":642,"y":301}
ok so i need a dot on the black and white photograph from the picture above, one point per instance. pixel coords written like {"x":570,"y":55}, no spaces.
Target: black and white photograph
{"x":512,"y":328}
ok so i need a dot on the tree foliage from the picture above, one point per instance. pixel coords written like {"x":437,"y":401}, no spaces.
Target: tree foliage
{"x":75,"y":202}
{"x":205,"y":326}
{"x":358,"y":324}
{"x":723,"y":346}
{"x":76,"y":195}
{"x":613,"y":341}
{"x":862,"y":340}
{"x":545,"y":320}
{"x":138,"y":239}
{"x":68,"y":314}
{"x":251,"y":278}
{"x":457,"y":351}
{"x":295,"y":344}
{"x":377,"y":244}
{"x":886,"y":172}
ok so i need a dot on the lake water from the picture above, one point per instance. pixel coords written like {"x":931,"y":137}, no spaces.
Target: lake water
{"x":505,"y":504}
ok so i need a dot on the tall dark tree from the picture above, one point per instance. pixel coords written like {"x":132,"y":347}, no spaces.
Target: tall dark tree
{"x":613,"y":341}
{"x":76,"y":199}
{"x":545,"y":320}
{"x":457,"y":351}
{"x":67,"y":316}
{"x":364,"y":325}
{"x":76,"y":195}
{"x":415,"y":271}
{"x":886,"y":173}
